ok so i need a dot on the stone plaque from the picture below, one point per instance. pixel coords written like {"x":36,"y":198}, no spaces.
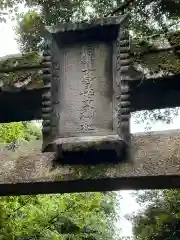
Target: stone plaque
{"x":86,"y":91}
{"x":86,"y":104}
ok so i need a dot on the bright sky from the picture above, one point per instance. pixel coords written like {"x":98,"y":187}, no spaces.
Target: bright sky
{"x":7,"y":40}
{"x":8,"y":46}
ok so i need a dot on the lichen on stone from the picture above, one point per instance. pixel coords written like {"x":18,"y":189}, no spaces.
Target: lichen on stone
{"x":27,"y":59}
{"x":89,"y":171}
{"x":147,"y":61}
{"x":157,"y":54}
{"x":88,"y":146}
{"x":167,"y":62}
{"x":174,"y":38}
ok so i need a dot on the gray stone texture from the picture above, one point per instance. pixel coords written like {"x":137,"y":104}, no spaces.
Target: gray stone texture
{"x":85,"y":93}
{"x":154,"y":154}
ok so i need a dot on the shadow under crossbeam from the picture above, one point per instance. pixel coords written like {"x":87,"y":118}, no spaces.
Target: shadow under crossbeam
{"x":25,"y":105}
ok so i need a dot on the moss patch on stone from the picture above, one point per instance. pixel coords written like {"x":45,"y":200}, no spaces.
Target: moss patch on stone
{"x":174,"y":38}
{"x":167,"y":62}
{"x":142,"y":51}
{"x":147,"y":54}
{"x":94,"y":145}
{"x":85,"y":172}
{"x":89,"y":172}
{"x":140,"y":47}
{"x":29,"y":59}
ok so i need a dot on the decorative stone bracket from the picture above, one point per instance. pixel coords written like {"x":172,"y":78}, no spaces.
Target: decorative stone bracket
{"x":86,"y":102}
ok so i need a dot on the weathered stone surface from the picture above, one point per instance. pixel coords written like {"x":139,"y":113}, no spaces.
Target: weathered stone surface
{"x":154,"y":154}
{"x":149,"y":61}
{"x":87,"y":84}
{"x":85,"y":95}
{"x":22,"y":79}
{"x":93,"y":23}
{"x":157,"y":56}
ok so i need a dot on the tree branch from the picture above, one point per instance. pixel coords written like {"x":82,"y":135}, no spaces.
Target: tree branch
{"x":17,"y":209}
{"x":122,"y":7}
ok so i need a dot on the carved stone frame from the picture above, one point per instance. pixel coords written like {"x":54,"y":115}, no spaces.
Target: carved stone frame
{"x":119,"y":140}
{"x":122,"y":64}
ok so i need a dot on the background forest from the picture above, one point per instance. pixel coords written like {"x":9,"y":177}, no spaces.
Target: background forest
{"x":85,"y":215}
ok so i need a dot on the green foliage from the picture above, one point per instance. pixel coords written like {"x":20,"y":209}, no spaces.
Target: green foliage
{"x":147,"y":16}
{"x":32,"y":130}
{"x":12,"y":132}
{"x":30,"y":30}
{"x":8,"y":7}
{"x":160,"y":219}
{"x":67,"y":216}
{"x":77,"y":10}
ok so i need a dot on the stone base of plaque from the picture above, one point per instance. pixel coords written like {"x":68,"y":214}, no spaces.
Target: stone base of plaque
{"x":89,"y":149}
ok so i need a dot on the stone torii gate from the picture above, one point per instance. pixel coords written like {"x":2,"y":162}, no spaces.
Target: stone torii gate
{"x":95,"y":55}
